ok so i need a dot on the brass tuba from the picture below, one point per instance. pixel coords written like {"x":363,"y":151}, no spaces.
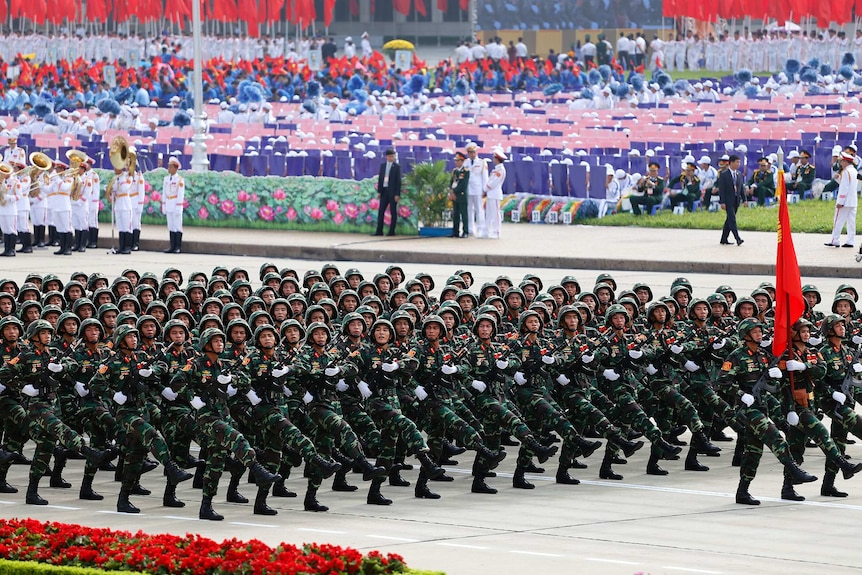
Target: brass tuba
{"x":76,"y":159}
{"x":118,"y":153}
{"x":6,"y":170}
{"x":40,"y":164}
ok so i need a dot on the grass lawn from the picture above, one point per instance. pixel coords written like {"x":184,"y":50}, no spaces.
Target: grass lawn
{"x":697,"y":75}
{"x":812,"y":216}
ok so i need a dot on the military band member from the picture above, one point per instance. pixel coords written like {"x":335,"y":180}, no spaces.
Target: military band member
{"x":173,"y":203}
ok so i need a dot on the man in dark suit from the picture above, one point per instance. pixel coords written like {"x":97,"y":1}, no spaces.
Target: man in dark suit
{"x":730,"y":196}
{"x":389,"y":190}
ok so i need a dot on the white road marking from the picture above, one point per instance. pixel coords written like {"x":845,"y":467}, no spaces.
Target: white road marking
{"x":617,"y":561}
{"x":252,"y":524}
{"x":178,"y":518}
{"x":108,"y":512}
{"x":535,"y":553}
{"x":63,"y":507}
{"x":461,"y":545}
{"x":395,"y":538}
{"x":320,"y":530}
{"x":7,"y":502}
{"x":690,"y":570}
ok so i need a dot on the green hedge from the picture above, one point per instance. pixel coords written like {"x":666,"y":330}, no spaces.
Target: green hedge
{"x":33,"y":568}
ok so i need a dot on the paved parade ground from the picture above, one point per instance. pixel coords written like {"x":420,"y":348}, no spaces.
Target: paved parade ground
{"x":686,"y":522}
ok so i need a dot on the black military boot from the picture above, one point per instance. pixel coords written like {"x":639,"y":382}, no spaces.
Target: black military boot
{"x":672,"y":436}
{"x":125,"y":243}
{"x":653,"y":467}
{"x":123,"y":503}
{"x":431,"y":469}
{"x":60,"y":459}
{"x":563,"y":477}
{"x":262,"y":475}
{"x":701,"y":441}
{"x":628,"y":447}
{"x":173,"y":245}
{"x":236,"y":472}
{"x":606,"y":471}
{"x":451,"y":450}
{"x":421,"y":490}
{"x":175,"y":474}
{"x":53,"y":236}
{"x":93,"y":238}
{"x":519,"y":481}
{"x":136,"y":240}
{"x":370,"y":471}
{"x":311,"y":503}
{"x":39,"y":232}
{"x":198,"y":481}
{"x":96,"y":456}
{"x":787,"y":491}
{"x":86,"y":492}
{"x":33,"y":497}
{"x":492,"y":458}
{"x":667,"y":448}
{"x":587,"y":447}
{"x":848,"y":470}
{"x":260,"y":506}
{"x":139,"y":489}
{"x":828,"y":488}
{"x":340,"y":481}
{"x":67,"y":245}
{"x":395,"y":479}
{"x":691,"y":462}
{"x":169,"y":499}
{"x":374,"y":495}
{"x":61,"y":244}
{"x":82,"y":246}
{"x":178,"y":249}
{"x":4,"y":485}
{"x":326,"y":467}
{"x":278,"y":488}
{"x":743,"y":497}
{"x":479,"y":485}
{"x":798,"y":475}
{"x":738,"y":449}
{"x":542,"y":452}
{"x":207,"y":512}
{"x":26,"y":243}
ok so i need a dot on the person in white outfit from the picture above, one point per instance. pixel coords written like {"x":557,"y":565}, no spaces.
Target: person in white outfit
{"x":80,"y":205}
{"x":173,"y":200}
{"x":21,"y":182}
{"x":123,"y":191}
{"x":475,"y":191}
{"x":845,"y":203}
{"x":60,"y":206}
{"x":494,"y":194}
{"x":139,"y":198}
{"x":92,"y":188}
{"x":39,"y":208}
{"x":8,"y":210}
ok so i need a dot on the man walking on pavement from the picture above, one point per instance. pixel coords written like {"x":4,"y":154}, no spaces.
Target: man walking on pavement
{"x":389,"y":190}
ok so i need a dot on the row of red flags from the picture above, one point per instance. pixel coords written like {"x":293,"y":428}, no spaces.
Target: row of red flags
{"x":824,"y":12}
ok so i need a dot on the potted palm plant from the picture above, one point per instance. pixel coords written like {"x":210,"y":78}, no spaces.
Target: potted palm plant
{"x":427,"y":188}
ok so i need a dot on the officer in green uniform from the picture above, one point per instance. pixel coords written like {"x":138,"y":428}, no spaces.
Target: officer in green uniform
{"x":11,"y":402}
{"x":458,"y":184}
{"x":690,"y":188}
{"x":650,"y":190}
{"x":804,"y":177}
{"x":761,"y":184}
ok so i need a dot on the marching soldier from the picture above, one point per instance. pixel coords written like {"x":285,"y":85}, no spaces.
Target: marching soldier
{"x":173,"y":203}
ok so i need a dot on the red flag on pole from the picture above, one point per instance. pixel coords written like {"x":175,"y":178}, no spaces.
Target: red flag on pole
{"x":328,"y":12}
{"x":789,"y":302}
{"x":420,"y":7}
{"x":401,"y":6}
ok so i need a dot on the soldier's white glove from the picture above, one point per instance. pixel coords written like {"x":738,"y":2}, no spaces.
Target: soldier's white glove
{"x":610,"y":375}
{"x":2,"y":388}
{"x":420,"y":392}
{"x":169,"y":394}
{"x":29,"y":390}
{"x":857,"y":367}
{"x":520,"y":379}
{"x":389,"y":367}
{"x":197,"y":403}
{"x":563,"y":380}
{"x":765,"y":342}
{"x":81,"y":389}
{"x":286,"y":390}
{"x":675,"y":348}
{"x":364,"y":390}
{"x":478,"y":385}
{"x":341,"y":386}
{"x":502,"y":364}
{"x":548,"y":359}
{"x":651,"y":369}
{"x":720,"y":344}
{"x":280,"y":371}
{"x":55,"y":367}
{"x":635,"y":353}
{"x":146,"y":372}
{"x":307,"y":398}
{"x":691,"y":366}
{"x":814,"y":340}
{"x":793,"y":365}
{"x":857,"y":339}
{"x":231,"y":391}
{"x":224,"y":378}
{"x":775,"y":373}
{"x":332,"y":371}
{"x":253,"y":397}
{"x":792,"y":418}
{"x":839,"y":397}
{"x":748,"y":399}
{"x":448,"y":369}
{"x":587,"y":358}
{"x":120,"y":398}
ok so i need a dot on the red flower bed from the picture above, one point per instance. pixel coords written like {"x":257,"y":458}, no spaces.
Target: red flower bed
{"x":64,"y":544}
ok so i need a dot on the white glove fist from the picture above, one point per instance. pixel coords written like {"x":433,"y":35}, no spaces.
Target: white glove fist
{"x":280,"y":371}
{"x":224,"y":378}
{"x":231,"y":391}
{"x":197,"y":403}
{"x":814,"y":340}
{"x":331,"y":371}
{"x":520,"y":379}
{"x":792,"y":418}
{"x":29,"y":390}
{"x":610,"y":375}
{"x":548,"y":359}
{"x":651,"y":369}
{"x":720,"y":344}
{"x":839,"y":397}
{"x":389,"y":367}
{"x":81,"y":389}
{"x":169,"y":394}
{"x":793,"y":365}
{"x":364,"y":390}
{"x":146,"y":372}
{"x":420,"y":392}
{"x":501,"y":364}
{"x":748,"y":399}
{"x":765,"y":342}
{"x":341,"y":385}
{"x":563,"y":380}
{"x":775,"y":373}
{"x":635,"y":353}
{"x":253,"y":397}
{"x":857,"y":367}
{"x":286,"y":391}
{"x":307,"y":398}
{"x":857,"y":339}
{"x":675,"y":348}
{"x":587,"y":358}
{"x":120,"y":398}
{"x":478,"y":385}
{"x":448,"y":369}
{"x":691,"y":366}
{"x":55,"y":367}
